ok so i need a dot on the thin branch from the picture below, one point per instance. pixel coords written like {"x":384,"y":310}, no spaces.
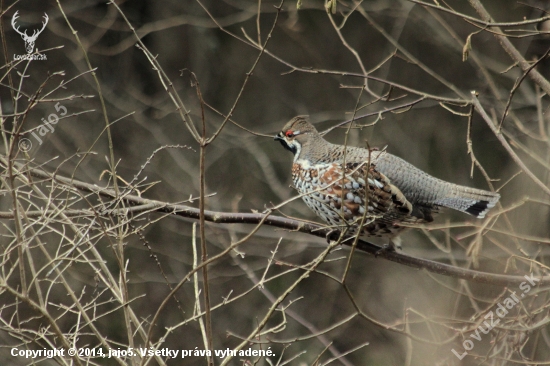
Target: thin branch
{"x":506,"y":145}
{"x":479,"y":21}
{"x":511,"y":50}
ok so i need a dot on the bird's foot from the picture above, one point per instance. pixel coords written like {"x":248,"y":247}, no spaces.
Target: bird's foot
{"x":384,"y":249}
{"x":396,"y":243}
{"x":392,"y":246}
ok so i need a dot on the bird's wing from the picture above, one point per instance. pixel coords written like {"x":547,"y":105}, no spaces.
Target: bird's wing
{"x":360,"y":186}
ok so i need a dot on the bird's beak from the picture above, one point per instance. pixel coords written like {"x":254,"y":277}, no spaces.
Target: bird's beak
{"x":281,"y":138}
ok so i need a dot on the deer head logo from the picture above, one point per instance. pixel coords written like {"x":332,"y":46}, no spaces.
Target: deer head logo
{"x":29,"y":40}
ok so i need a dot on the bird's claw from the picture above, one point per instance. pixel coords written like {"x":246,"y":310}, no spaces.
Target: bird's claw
{"x":386,"y":248}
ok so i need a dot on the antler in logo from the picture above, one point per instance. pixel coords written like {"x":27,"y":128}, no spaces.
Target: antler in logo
{"x":29,"y":40}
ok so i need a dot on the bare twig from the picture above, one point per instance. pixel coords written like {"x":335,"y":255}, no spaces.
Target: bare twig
{"x":506,"y":145}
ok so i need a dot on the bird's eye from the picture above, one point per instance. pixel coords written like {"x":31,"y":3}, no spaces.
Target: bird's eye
{"x":289,"y":133}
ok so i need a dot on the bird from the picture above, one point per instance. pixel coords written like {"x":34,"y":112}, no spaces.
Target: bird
{"x":370,"y":192}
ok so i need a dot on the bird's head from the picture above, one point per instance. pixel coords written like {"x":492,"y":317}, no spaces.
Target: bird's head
{"x":296,"y":133}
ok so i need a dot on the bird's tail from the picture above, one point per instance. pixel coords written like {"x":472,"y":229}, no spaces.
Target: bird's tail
{"x":475,"y":202}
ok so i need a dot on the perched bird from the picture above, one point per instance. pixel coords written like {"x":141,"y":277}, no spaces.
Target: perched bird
{"x":349,"y":185}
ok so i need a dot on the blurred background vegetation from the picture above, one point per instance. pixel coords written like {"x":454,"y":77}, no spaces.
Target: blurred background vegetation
{"x":315,"y":63}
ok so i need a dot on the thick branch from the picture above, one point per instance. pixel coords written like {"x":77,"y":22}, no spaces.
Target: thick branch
{"x":140,"y":204}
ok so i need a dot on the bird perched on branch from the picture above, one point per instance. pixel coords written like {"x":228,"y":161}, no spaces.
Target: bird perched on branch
{"x":347,"y":186}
